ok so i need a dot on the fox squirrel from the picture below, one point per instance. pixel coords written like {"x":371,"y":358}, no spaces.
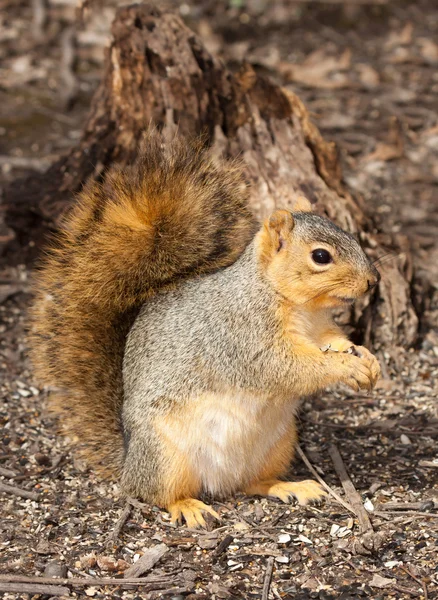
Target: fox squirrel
{"x":177,"y":336}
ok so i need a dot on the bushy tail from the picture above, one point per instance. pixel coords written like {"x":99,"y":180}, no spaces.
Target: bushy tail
{"x":175,"y":213}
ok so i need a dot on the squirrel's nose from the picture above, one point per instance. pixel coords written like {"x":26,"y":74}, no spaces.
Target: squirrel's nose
{"x":374,"y":280}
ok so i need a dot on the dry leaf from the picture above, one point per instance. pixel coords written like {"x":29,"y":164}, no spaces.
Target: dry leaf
{"x":319,"y":70}
{"x":368,"y":76}
{"x":401,"y":56}
{"x":384,"y":152}
{"x":428,"y":50}
{"x":393,"y":148}
{"x":381,"y":582}
{"x":400,"y":38}
{"x":88,"y":561}
{"x":111,"y":564}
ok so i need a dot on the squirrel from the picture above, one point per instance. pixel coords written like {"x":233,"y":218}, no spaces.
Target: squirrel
{"x":177,"y":335}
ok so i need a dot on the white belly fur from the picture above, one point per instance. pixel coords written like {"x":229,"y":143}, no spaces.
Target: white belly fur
{"x":228,"y":437}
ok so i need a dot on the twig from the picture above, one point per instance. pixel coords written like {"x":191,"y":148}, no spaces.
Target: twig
{"x":350,"y":491}
{"x":407,"y":505}
{"x":405,"y":590}
{"x":403,"y":520}
{"x":420,"y":581}
{"x":16,"y":491}
{"x":322,"y":482}
{"x":124,"y":516}
{"x":34,"y":588}
{"x":426,"y":595}
{"x":7,"y":473}
{"x":268,"y":577}
{"x":173,"y":591}
{"x":374,"y":425}
{"x":151,"y":580}
{"x":255,"y":552}
{"x":137,"y":504}
{"x":408,"y":513}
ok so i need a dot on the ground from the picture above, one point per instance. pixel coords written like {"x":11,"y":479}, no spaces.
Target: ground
{"x":368,"y":75}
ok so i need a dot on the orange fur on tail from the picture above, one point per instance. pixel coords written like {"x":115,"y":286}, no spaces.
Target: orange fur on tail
{"x":175,"y":213}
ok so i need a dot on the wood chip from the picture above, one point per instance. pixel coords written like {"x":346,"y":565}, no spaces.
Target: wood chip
{"x":147,"y":561}
{"x":223,"y":545}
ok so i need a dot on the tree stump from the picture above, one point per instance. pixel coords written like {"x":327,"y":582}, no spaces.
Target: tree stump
{"x":158,"y":72}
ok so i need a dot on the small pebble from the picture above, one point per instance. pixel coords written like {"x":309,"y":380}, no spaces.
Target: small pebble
{"x":207,"y":543}
{"x":54,"y":569}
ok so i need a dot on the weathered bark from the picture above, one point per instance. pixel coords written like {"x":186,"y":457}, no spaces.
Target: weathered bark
{"x":157,"y":71}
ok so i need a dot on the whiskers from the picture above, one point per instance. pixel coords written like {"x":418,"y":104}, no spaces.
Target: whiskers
{"x":387,"y":257}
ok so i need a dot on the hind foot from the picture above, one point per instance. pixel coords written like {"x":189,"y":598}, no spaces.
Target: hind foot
{"x":191,"y":511}
{"x":304,"y":491}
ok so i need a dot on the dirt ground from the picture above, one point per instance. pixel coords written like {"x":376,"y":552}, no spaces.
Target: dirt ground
{"x":368,"y":73}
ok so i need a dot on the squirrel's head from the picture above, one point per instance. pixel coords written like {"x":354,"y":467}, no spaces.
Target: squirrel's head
{"x":309,"y":260}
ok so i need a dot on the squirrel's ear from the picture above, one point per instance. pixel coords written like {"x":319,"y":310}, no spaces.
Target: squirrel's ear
{"x":302,"y":204}
{"x":279,"y":225}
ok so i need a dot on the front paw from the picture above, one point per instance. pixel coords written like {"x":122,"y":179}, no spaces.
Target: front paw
{"x":370,"y":360}
{"x":355,"y":371}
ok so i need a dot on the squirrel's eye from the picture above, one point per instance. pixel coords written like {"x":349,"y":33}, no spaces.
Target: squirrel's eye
{"x":321,"y":256}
